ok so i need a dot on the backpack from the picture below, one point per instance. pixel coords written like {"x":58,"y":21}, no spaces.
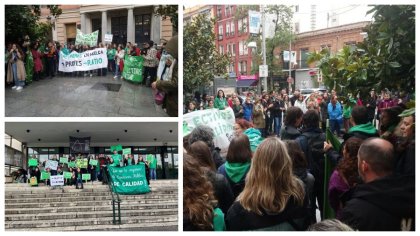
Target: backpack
{"x":312,"y":145}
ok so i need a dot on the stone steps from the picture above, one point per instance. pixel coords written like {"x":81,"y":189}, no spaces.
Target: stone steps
{"x":160,"y":205}
{"x":172,"y":225}
{"x":144,"y":220}
{"x":68,"y":209}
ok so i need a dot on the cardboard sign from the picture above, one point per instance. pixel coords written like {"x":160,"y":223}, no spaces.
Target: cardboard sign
{"x":57,"y":180}
{"x":126,"y":151}
{"x":64,"y":160}
{"x":85,"y":176}
{"x":52,"y":165}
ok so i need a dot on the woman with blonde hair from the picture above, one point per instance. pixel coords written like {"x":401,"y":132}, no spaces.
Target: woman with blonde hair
{"x":273,"y":198}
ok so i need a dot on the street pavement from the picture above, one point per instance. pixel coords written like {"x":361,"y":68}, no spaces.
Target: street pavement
{"x":96,"y":96}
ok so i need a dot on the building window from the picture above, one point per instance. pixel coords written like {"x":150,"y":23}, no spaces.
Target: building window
{"x":221,"y":49}
{"x":219,"y":11}
{"x":233,"y":50}
{"x":242,"y":67}
{"x":220,"y":32}
{"x":326,"y":46}
{"x":232,"y":28}
{"x":245,"y":48}
{"x":231,"y":68}
{"x":241,"y":48}
{"x":227,"y":11}
{"x":142,"y":28}
{"x":245,"y":24}
{"x":303,"y":57}
{"x":240,"y":26}
{"x":227,"y":28}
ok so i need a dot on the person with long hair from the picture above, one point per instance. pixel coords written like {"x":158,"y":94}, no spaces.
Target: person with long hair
{"x":258,"y":116}
{"x":16,"y":68}
{"x":345,"y":176}
{"x":238,"y":162}
{"x":200,"y":212}
{"x":220,"y":101}
{"x":273,"y":198}
{"x":222,"y":191}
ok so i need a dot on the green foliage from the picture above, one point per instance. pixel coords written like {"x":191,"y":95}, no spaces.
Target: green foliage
{"x":170,"y":11}
{"x":21,"y":20}
{"x":202,"y":62}
{"x":385,"y":59}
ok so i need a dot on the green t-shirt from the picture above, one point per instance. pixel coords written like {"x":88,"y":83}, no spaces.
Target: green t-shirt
{"x":116,"y":158}
{"x":218,"y":220}
{"x":152,"y":161}
{"x":220,"y":103}
{"x":111,"y":53}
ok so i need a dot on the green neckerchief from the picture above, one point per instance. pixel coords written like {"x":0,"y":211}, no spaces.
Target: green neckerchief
{"x":367,"y":128}
{"x":236,"y":171}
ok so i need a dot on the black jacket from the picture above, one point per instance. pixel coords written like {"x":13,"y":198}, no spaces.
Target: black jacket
{"x":381,"y":205}
{"x":218,"y":160}
{"x":222,"y":191}
{"x":289,"y":133}
{"x":293,"y":218}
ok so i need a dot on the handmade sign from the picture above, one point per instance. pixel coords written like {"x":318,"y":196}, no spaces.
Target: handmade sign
{"x":129,"y":179}
{"x":64,"y":160}
{"x":85,"y":176}
{"x":126,"y":151}
{"x":45,"y":175}
{"x":72,"y":164}
{"x":52,"y":165}
{"x":82,"y":163}
{"x":57,"y":180}
{"x":133,"y":68}
{"x":67,"y":175}
{"x":221,"y":121}
{"x":93,"y":162}
{"x":88,"y":60}
{"x":33,"y":162}
{"x":87,"y":39}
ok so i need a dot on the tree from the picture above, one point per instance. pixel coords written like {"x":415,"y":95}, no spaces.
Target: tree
{"x":170,"y":11}
{"x":22,"y":20}
{"x":385,"y":59}
{"x":202,"y":62}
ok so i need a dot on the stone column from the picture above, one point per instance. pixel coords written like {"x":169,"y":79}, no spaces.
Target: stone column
{"x":104,"y":26}
{"x":83,"y":22}
{"x":130,"y":25}
{"x":155,"y":28}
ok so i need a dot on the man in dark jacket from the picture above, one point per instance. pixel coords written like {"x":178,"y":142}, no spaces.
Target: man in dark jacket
{"x":384,"y":202}
{"x":361,"y":125}
{"x":292,"y":122}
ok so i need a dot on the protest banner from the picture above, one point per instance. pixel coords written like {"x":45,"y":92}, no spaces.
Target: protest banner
{"x":87,"y":39}
{"x":82,"y":163}
{"x":45,"y":175}
{"x":71,"y":164}
{"x":57,"y":180}
{"x":93,"y":162}
{"x":52,"y":165}
{"x":67,"y":175}
{"x":84,"y":61}
{"x":116,"y":148}
{"x":221,"y":121}
{"x":85,"y":176}
{"x":133,"y":68}
{"x":129,"y":179}
{"x":126,"y":151}
{"x":108,"y":38}
{"x":33,"y":162}
{"x":64,"y":160}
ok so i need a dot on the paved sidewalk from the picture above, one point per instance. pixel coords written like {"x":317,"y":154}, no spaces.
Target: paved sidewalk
{"x":80,"y":97}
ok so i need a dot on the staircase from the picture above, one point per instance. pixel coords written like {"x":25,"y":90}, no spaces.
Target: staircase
{"x":90,"y":209}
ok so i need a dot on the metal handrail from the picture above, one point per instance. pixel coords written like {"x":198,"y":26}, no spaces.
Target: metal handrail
{"x":115,"y":199}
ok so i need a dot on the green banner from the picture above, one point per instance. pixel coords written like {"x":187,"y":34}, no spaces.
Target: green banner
{"x":45,"y":175}
{"x":129,"y":179}
{"x":328,"y":212}
{"x":85,"y":176}
{"x":116,"y":148}
{"x":64,"y":160}
{"x":67,"y":175}
{"x":86,"y":39}
{"x":82,"y":163}
{"x":33,"y":162}
{"x":126,"y":151}
{"x":71,"y":164}
{"x":93,"y":162}
{"x":133,"y":68}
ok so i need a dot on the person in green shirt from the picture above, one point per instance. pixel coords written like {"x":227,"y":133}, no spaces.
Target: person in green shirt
{"x":111,"y":51}
{"x":116,"y":159}
{"x":347,"y":108}
{"x":152,"y":161}
{"x":220,"y":102}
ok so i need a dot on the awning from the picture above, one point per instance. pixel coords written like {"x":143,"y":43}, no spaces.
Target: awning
{"x":246,"y":83}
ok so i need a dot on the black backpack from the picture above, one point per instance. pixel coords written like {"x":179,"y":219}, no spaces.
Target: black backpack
{"x":312,"y":144}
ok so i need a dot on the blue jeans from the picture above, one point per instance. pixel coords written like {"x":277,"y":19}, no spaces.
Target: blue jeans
{"x":335,"y":125}
{"x":15,"y":76}
{"x":277,"y":125}
{"x":117,"y":70}
{"x":79,"y":181}
{"x":153,"y":173}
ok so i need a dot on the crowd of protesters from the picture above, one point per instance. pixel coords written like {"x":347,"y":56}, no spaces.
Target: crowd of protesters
{"x":272,"y":177}
{"x":36,"y":60}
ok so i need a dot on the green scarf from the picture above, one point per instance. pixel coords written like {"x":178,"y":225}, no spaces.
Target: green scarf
{"x":367,"y":128}
{"x":236,"y":171}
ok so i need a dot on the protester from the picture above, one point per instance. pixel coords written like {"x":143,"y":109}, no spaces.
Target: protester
{"x":273,"y":198}
{"x":405,"y":146}
{"x":119,"y":56}
{"x":238,"y":162}
{"x":16,"y":69}
{"x":220,"y":101}
{"x":292,"y":122}
{"x":324,"y":111}
{"x":50,"y":54}
{"x":371,"y":106}
{"x":146,"y":165}
{"x":222,"y":190}
{"x":248,"y":108}
{"x":335,"y":114}
{"x":150,"y":64}
{"x":390,"y":121}
{"x":191,"y":107}
{"x":345,"y":176}
{"x":152,"y":162}
{"x":238,"y":109}
{"x":200,"y":212}
{"x":384,"y":202}
{"x":258,"y":116}
{"x":77,"y":176}
{"x":110,"y":52}
{"x":361,"y":126}
{"x":301,"y":104}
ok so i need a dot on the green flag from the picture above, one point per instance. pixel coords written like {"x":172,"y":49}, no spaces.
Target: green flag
{"x":126,"y":151}
{"x":328,"y":212}
{"x":129,"y":179}
{"x":133,"y":68}
{"x":33,"y":162}
{"x":116,"y":148}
